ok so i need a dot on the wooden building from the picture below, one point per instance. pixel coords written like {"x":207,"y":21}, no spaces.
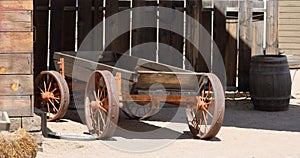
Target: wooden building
{"x":289,"y":26}
{"x":16,"y":62}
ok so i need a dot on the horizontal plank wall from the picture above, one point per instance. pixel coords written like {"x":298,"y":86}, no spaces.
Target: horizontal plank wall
{"x":16,"y":57}
{"x":289,"y":26}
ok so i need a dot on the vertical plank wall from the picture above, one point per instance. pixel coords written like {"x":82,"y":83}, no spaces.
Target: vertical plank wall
{"x":227,"y":31}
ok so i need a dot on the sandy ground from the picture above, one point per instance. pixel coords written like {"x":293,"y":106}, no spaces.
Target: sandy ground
{"x":245,"y":133}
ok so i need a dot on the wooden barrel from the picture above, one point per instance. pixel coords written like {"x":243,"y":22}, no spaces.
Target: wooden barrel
{"x":270,"y":82}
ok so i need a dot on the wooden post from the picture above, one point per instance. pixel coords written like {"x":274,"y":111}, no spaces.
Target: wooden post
{"x":120,"y":44}
{"x":169,"y":55}
{"x":195,"y":59}
{"x":41,"y":14}
{"x":144,"y":35}
{"x":245,"y":43}
{"x":272,"y":27}
{"x":56,"y":28}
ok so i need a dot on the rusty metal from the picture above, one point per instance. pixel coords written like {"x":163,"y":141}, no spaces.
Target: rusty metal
{"x":52,"y":94}
{"x":61,"y":64}
{"x":101,"y":104}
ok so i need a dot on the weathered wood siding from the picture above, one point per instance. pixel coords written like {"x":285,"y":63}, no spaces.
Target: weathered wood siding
{"x":289,"y":26}
{"x":16,"y":57}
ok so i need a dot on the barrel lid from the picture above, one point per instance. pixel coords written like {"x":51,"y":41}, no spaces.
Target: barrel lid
{"x":269,"y":58}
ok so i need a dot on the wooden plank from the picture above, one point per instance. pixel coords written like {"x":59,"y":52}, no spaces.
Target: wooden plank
{"x":16,"y":5}
{"x":288,"y":34}
{"x":40,"y":20}
{"x":288,"y":3}
{"x":290,"y":45}
{"x":195,"y":59}
{"x":144,"y":35}
{"x":16,"y":21}
{"x":16,"y":105}
{"x":292,"y":51}
{"x":172,"y":80}
{"x":289,"y":21}
{"x":245,"y":44}
{"x":56,"y":28}
{"x":289,"y":39}
{"x":98,"y":13}
{"x":289,"y":15}
{"x":272,"y":25}
{"x":16,"y":64}
{"x":231,"y":52}
{"x":16,"y":42}
{"x":288,"y":9}
{"x":68,"y":34}
{"x":16,"y":84}
{"x":172,"y":52}
{"x":121,"y":43}
{"x":225,"y":37}
{"x":85,"y":21}
{"x":284,"y":27}
{"x":257,"y":43}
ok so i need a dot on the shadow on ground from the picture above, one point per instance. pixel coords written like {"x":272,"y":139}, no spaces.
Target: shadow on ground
{"x":238,"y":113}
{"x":242,"y":114}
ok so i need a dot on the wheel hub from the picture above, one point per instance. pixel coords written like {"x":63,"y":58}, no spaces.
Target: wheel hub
{"x":97,"y":105}
{"x":47,"y":95}
{"x":202,"y":105}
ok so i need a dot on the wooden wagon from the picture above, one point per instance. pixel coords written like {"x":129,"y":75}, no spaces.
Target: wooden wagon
{"x":136,"y":85}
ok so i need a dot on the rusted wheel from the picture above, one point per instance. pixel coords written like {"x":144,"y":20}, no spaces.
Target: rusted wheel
{"x":206,"y":117}
{"x":52,"y":94}
{"x":101,"y":104}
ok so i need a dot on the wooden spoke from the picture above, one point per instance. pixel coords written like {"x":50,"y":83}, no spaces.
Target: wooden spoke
{"x":102,"y":118}
{"x":53,"y":106}
{"x":41,"y":90}
{"x":205,"y":121}
{"x":45,"y":87}
{"x":53,"y":90}
{"x":95,"y":95}
{"x":208,"y":113}
{"x":50,"y":85}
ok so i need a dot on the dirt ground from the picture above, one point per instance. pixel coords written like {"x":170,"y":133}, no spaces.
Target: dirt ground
{"x":245,"y":133}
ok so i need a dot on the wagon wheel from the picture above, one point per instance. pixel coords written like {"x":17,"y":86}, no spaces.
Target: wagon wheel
{"x":52,"y":94}
{"x":140,"y":110}
{"x":101,"y":104}
{"x":206,"y":118}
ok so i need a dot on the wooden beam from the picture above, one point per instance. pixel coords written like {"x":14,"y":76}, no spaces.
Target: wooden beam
{"x":40,"y":20}
{"x":16,"y":42}
{"x":16,"y":64}
{"x":245,"y":43}
{"x":16,"y":106}
{"x":272,"y":27}
{"x":16,"y":5}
